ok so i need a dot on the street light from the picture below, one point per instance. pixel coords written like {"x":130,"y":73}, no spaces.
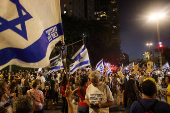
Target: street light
{"x":149,"y":44}
{"x":157,"y":17}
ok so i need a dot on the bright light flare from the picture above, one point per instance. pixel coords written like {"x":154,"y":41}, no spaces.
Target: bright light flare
{"x":157,"y":16}
{"x":153,"y":17}
{"x":162,"y":15}
{"x":149,"y":44}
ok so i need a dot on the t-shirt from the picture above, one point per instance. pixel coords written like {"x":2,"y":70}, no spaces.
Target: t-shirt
{"x":168,"y":97}
{"x":42,"y":81}
{"x":100,"y":94}
{"x":141,"y":80}
{"x":161,"y":107}
{"x":38,"y":95}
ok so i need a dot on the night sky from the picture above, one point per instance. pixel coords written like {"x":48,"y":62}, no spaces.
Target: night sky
{"x":136,"y":29}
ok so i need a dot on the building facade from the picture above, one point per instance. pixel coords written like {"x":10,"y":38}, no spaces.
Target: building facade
{"x":82,"y":9}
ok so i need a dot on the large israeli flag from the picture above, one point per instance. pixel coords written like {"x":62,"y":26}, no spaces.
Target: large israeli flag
{"x":56,"y":63}
{"x":165,"y":66}
{"x":81,"y":59}
{"x":100,"y":66}
{"x":29,"y":30}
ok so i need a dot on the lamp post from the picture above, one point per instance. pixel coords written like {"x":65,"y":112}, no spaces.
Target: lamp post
{"x":157,"y":17}
{"x":149,"y":44}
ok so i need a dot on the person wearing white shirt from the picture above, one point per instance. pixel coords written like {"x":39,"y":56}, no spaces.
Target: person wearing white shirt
{"x":42,"y":79}
{"x":98,"y":95}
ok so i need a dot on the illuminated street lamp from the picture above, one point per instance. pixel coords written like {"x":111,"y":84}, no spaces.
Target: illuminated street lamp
{"x":149,"y":44}
{"x":157,"y":17}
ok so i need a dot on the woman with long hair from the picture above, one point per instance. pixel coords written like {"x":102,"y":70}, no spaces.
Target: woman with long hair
{"x":26,"y":86}
{"x":130,"y":94}
{"x":81,"y":92}
{"x":63,"y":88}
{"x":37,"y":96}
{"x":12,"y":87}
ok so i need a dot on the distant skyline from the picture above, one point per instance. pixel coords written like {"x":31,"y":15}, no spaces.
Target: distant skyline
{"x":136,"y":29}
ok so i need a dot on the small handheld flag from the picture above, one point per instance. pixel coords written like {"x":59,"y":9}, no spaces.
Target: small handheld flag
{"x":100,"y":66}
{"x":81,"y":59}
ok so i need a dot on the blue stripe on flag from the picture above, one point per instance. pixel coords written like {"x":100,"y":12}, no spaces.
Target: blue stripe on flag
{"x":80,"y":64}
{"x":79,"y":56}
{"x":54,"y":59}
{"x":99,"y":63}
{"x":29,"y":54}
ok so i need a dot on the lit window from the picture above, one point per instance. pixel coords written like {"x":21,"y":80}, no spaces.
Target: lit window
{"x":64,"y":5}
{"x":65,"y":12}
{"x":98,"y":18}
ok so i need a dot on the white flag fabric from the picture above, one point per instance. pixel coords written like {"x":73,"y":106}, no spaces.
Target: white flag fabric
{"x":100,"y":66}
{"x":81,"y":59}
{"x":165,"y":66}
{"x":40,"y":69}
{"x":29,"y":30}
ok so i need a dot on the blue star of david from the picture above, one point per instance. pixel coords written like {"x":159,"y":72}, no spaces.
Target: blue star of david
{"x":101,"y":67}
{"x":80,"y":58}
{"x":20,"y":20}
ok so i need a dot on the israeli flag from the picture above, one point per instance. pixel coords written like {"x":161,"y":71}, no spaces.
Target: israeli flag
{"x":81,"y":59}
{"x":154,"y":66}
{"x":39,"y":70}
{"x":109,"y":70}
{"x":56,"y":63}
{"x":29,"y":30}
{"x":165,"y":66}
{"x":100,"y":66}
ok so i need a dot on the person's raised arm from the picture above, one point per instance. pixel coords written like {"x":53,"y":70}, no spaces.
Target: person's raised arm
{"x":75,"y":92}
{"x":68,"y":93}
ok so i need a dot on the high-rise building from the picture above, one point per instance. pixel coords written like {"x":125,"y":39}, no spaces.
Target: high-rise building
{"x":79,"y":8}
{"x":107,"y":11}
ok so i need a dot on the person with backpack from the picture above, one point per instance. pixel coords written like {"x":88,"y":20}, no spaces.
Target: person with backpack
{"x":149,"y":104}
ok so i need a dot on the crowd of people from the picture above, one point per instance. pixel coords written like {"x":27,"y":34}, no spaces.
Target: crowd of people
{"x":35,"y":91}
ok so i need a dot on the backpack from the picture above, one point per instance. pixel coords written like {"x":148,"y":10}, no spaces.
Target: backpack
{"x":151,"y":108}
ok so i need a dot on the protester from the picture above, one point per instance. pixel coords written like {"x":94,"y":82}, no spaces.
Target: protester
{"x":26,"y":86}
{"x":23,"y":104}
{"x":130,"y":94}
{"x":81,"y":92}
{"x":167,"y":93}
{"x":115,"y":88}
{"x":42,"y":79}
{"x":50,"y":98}
{"x":98,"y":95}
{"x":6,"y":98}
{"x":12,"y":88}
{"x":3,"y":109}
{"x":64,"y":83}
{"x":57,"y":92}
{"x":149,"y":103}
{"x":37,"y":96}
